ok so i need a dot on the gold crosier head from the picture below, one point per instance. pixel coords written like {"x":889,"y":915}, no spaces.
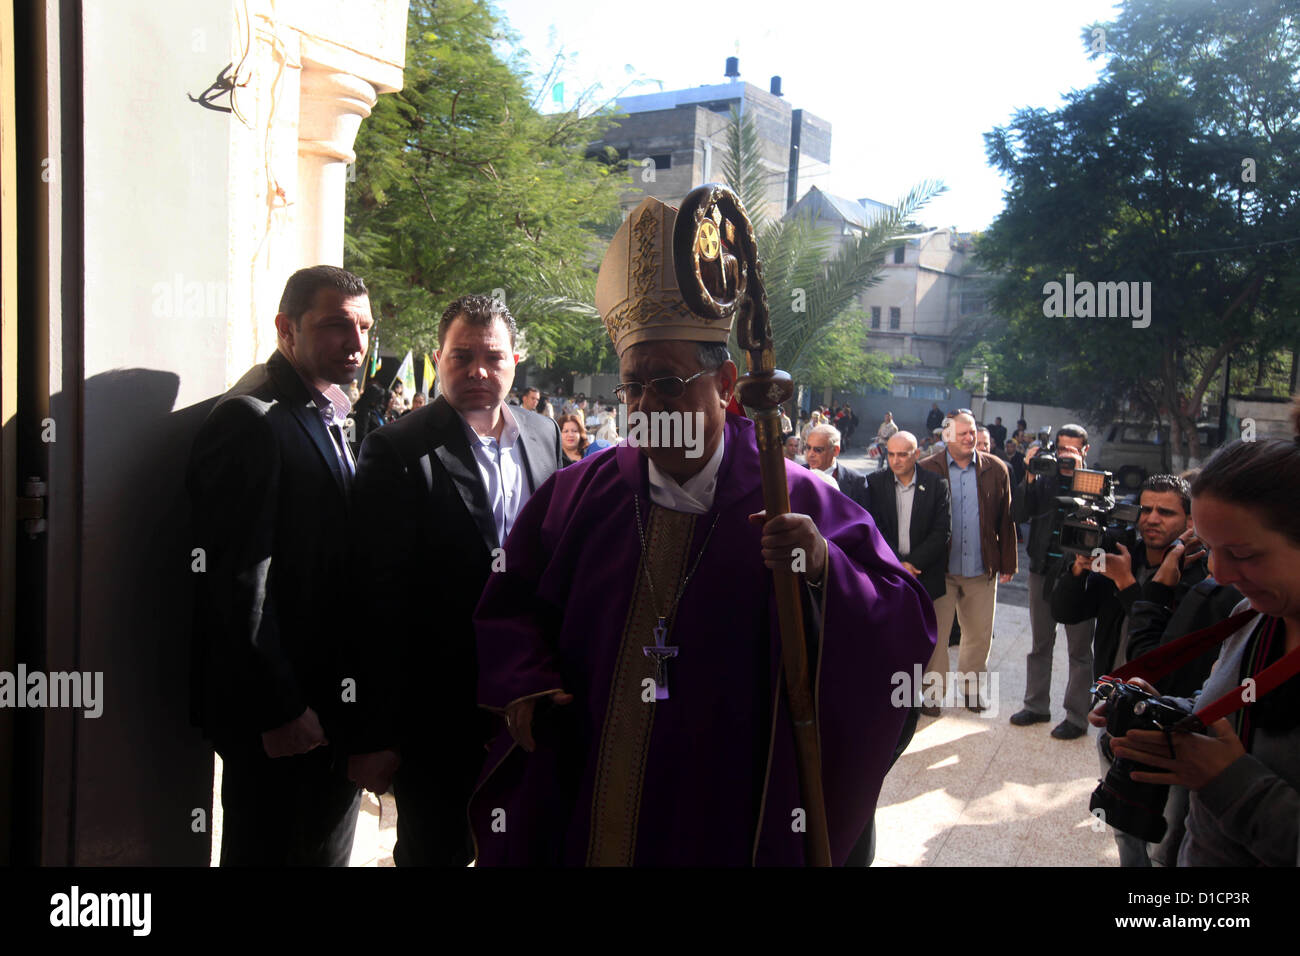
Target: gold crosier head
{"x":718,"y":269}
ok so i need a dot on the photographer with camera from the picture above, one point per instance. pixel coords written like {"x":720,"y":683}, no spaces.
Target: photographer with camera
{"x":1180,"y":598}
{"x":1035,"y":502}
{"x":1239,"y":755}
{"x":1110,"y":592}
{"x":1136,"y":600}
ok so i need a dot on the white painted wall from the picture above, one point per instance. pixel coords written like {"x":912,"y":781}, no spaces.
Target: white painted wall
{"x":192,"y":221}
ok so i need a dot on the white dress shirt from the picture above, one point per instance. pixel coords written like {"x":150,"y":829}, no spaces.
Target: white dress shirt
{"x":827,"y":475}
{"x":502,"y":472}
{"x":904,"y":495}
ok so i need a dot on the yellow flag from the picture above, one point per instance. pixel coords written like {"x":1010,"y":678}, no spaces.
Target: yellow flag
{"x":429,"y":374}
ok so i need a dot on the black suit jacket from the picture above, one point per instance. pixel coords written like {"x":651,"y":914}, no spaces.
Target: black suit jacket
{"x":424,"y":538}
{"x":852,"y":483}
{"x":270,"y":513}
{"x":930,"y":527}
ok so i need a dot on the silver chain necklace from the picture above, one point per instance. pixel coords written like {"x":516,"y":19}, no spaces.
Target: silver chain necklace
{"x":658,"y":650}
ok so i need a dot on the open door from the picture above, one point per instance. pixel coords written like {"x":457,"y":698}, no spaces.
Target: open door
{"x":8,"y":407}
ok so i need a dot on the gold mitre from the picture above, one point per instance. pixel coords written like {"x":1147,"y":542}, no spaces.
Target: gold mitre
{"x":636,"y":290}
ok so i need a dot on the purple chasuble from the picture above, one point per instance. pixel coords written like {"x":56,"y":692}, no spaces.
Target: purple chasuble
{"x":719,"y":785}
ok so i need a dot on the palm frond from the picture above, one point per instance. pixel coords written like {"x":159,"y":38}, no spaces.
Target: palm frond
{"x":807,"y":290}
{"x":742,"y":168}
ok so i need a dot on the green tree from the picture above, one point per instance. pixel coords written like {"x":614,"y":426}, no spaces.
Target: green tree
{"x":840,"y":357}
{"x":1175,"y":169}
{"x":462,"y":185}
{"x":810,"y":285}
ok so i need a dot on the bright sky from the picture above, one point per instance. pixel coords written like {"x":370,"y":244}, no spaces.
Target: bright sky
{"x":909,"y":88}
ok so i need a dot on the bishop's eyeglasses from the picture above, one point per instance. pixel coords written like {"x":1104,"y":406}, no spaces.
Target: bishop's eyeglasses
{"x":668,"y":387}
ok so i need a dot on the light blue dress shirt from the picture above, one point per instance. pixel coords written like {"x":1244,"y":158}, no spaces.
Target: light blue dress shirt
{"x":965,"y":557}
{"x":502,"y":471}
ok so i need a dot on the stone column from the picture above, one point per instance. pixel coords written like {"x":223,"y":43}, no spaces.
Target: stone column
{"x":332,"y":105}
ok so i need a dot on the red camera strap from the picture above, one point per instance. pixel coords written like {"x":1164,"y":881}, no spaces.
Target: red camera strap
{"x":1166,"y":659}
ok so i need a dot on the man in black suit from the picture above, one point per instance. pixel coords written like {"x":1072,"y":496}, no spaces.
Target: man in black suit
{"x":923,"y":526}
{"x":268,"y":478}
{"x":435,"y":496}
{"x":919,"y":533}
{"x":822,"y":450}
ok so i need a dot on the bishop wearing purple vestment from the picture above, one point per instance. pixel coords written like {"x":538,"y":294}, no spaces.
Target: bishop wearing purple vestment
{"x":631,"y":638}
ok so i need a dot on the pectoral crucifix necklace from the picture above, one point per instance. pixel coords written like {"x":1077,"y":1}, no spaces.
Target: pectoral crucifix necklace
{"x":659,"y":650}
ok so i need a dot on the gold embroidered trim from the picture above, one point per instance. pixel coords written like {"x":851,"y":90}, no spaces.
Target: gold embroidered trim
{"x":657,"y":308}
{"x":645,"y":262}
{"x":625,"y":737}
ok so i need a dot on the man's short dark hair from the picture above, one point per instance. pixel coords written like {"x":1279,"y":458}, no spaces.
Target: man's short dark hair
{"x":532,"y":388}
{"x":480,"y":310}
{"x":1179,"y":486}
{"x":300,"y":291}
{"x":1073,"y":431}
{"x":711,"y":355}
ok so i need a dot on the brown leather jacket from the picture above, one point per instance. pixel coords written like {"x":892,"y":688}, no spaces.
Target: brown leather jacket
{"x":997,"y":532}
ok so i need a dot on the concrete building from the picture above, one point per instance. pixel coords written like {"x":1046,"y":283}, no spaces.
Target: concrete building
{"x":929,"y":287}
{"x":676,"y":140}
{"x":147,"y":236}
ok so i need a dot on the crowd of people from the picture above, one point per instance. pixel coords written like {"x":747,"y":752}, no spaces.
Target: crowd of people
{"x":959,"y":539}
{"x":538,"y":592}
{"x":584,"y":428}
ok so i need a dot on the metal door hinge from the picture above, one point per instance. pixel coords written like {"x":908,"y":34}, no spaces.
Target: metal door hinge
{"x":31,"y":506}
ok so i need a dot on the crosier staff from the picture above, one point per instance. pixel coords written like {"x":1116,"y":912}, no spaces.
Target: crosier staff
{"x":719,"y":275}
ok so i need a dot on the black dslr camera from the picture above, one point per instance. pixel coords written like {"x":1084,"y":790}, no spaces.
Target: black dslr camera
{"x":1087,"y":515}
{"x":1128,"y":806}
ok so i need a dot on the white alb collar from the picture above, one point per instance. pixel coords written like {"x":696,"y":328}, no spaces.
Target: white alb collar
{"x":695,"y":496}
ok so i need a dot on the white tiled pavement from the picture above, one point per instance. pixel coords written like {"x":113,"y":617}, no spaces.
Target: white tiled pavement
{"x":972,"y":790}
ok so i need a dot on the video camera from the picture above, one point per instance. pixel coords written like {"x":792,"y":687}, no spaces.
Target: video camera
{"x":1087,"y":515}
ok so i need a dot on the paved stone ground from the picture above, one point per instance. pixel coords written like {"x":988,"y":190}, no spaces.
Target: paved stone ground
{"x":971,"y":790}
{"x":376,"y":832}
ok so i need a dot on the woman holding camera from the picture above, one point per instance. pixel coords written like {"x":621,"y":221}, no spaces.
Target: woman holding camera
{"x":1245,"y":773}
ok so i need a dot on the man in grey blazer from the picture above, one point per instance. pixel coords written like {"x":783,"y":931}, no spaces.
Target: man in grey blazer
{"x":436,"y":494}
{"x":822,"y":452}
{"x":268,"y":477}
